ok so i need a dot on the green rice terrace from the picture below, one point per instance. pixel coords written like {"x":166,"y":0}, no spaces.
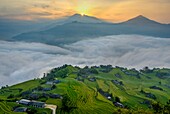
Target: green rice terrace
{"x":91,"y":90}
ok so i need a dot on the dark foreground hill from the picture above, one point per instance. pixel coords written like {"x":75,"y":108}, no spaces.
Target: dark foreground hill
{"x":79,"y":27}
{"x":97,"y":90}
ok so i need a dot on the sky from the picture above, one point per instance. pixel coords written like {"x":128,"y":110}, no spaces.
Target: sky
{"x":21,"y":61}
{"x":110,"y":10}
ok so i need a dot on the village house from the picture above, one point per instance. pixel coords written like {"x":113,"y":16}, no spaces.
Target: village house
{"x":55,"y":96}
{"x":45,"y":95}
{"x":20,"y":109}
{"x":92,"y":79}
{"x":117,"y":82}
{"x":24,"y":101}
{"x":117,"y":104}
{"x":49,"y":83}
{"x":155,"y":87}
{"x":36,"y":104}
{"x":53,"y":82}
{"x":56,"y":81}
{"x":47,"y":89}
{"x":109,"y":97}
{"x":80,"y":79}
{"x":105,"y":94}
{"x":25,"y":93}
{"x":118,"y":75}
{"x":34,"y":96}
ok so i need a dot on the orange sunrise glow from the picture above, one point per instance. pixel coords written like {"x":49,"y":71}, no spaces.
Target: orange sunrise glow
{"x":111,"y":10}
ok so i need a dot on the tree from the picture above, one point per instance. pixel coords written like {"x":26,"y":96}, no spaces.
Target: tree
{"x":167,"y":108}
{"x":10,"y":96}
{"x":3,"y":87}
{"x":39,"y":88}
{"x":44,"y":75}
{"x":93,"y":71}
{"x":157,"y":107}
{"x":117,"y":99}
{"x":53,"y":86}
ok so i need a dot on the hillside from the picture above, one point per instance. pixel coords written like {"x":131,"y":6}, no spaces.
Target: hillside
{"x":98,"y":90}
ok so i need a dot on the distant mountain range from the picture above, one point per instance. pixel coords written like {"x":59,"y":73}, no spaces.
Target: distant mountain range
{"x":10,"y":27}
{"x":77,"y":27}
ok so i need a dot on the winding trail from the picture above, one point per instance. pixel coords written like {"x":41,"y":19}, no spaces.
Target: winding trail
{"x":52,"y":107}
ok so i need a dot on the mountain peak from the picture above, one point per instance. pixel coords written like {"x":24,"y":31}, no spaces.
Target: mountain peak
{"x":140,"y":19}
{"x":80,"y":15}
{"x":141,"y":16}
{"x":76,"y":15}
{"x":84,"y":19}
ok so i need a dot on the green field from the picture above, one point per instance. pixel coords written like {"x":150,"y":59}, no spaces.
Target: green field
{"x":86,"y":90}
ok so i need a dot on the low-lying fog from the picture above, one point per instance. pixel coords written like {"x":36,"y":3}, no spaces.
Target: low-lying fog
{"x":21,"y":61}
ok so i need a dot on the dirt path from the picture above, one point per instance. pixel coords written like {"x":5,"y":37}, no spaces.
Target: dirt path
{"x":52,"y":107}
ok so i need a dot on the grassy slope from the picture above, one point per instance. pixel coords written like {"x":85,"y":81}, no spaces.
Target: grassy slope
{"x":85,"y":97}
{"x":5,"y":108}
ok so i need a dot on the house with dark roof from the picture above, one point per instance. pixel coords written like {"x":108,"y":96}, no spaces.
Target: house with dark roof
{"x":92,"y":79}
{"x":20,"y":109}
{"x":31,"y":103}
{"x":24,"y":101}
{"x":37,"y":104}
{"x":118,"y":82}
{"x":155,"y":87}
{"x":118,"y":75}
{"x":117,"y":104}
{"x":55,"y":96}
{"x":45,"y":95}
{"x":47,"y":89}
{"x":105,"y":94}
{"x":56,"y":81}
{"x":49,"y":83}
{"x":34,"y":96}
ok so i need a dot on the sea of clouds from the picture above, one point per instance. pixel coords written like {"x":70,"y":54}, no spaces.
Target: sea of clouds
{"x":20,"y":61}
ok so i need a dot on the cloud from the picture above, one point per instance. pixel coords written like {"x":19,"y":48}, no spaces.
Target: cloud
{"x":21,"y":61}
{"x":124,"y":50}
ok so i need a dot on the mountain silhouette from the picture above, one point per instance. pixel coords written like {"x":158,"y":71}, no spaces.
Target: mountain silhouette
{"x":77,"y":27}
{"x":83,"y":19}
